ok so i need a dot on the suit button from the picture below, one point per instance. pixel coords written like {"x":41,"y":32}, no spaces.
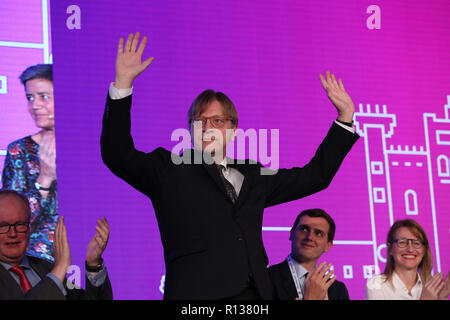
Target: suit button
{"x":240,"y":238}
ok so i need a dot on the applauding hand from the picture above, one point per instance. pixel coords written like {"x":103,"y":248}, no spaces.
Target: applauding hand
{"x":98,"y":243}
{"x":61,"y":251}
{"x":318,"y":281}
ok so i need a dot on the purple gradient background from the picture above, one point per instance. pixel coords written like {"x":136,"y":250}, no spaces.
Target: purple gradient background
{"x":266,"y":56}
{"x":18,"y":25}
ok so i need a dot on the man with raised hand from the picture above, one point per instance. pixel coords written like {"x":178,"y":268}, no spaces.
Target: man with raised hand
{"x":210,"y":213}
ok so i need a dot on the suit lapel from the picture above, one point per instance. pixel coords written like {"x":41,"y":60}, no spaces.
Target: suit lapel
{"x":248,"y":178}
{"x":288,"y":282}
{"x":38,"y":266}
{"x":196,"y":158}
{"x":211,"y":169}
{"x":13,"y":288}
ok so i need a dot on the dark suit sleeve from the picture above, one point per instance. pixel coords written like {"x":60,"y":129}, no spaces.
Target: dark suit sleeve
{"x":46,"y":289}
{"x":283,"y":287}
{"x":103,"y":292}
{"x":275,"y":281}
{"x":292,"y":184}
{"x":142,"y":171}
{"x":343,"y":293}
{"x":338,"y":291}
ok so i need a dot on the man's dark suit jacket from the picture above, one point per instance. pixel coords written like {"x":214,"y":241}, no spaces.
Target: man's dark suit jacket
{"x":210,"y":244}
{"x":47,"y":289}
{"x":284,"y":287}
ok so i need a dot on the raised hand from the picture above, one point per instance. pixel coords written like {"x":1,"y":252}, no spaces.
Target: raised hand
{"x":129,"y":61}
{"x":98,"y":243}
{"x":47,"y":158}
{"x":338,"y":96}
{"x":61,"y":251}
{"x":318,"y":281}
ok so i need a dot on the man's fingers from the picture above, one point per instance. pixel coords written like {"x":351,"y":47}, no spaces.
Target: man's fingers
{"x":341,"y":84}
{"x":322,"y":79}
{"x":103,"y":224}
{"x":120,"y":46}
{"x":128,"y":44}
{"x":147,"y":62}
{"x":317,"y":270}
{"x":334,"y":82}
{"x":100,"y":242}
{"x":64,"y":232}
{"x":329,"y":282}
{"x":59,"y":235}
{"x":328,"y":75}
{"x":135,"y":42}
{"x":142,"y":45}
{"x":102,"y":233}
{"x":323,"y":268}
{"x":327,"y":272}
{"x":331,"y":82}
{"x":57,"y":232}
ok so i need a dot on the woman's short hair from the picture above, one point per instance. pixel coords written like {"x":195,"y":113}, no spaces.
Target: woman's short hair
{"x":38,"y":71}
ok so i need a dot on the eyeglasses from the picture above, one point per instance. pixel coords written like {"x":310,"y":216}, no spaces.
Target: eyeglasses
{"x":403,"y":243}
{"x":216,"y":121}
{"x":18,"y":227}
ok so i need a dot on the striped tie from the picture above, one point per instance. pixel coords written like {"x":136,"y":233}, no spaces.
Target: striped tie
{"x":228,"y":186}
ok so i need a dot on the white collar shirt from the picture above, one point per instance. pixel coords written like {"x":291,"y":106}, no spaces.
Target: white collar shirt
{"x":377,"y":288}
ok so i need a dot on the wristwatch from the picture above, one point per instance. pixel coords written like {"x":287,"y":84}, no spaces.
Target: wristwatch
{"x":94,"y":269}
{"x":41,"y":187}
{"x":348,"y":124}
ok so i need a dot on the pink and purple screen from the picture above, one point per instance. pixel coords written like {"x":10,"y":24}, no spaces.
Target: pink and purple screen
{"x":394,"y":60}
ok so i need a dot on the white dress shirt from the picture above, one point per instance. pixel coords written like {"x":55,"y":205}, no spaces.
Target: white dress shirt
{"x":232,"y":175}
{"x":377,"y":288}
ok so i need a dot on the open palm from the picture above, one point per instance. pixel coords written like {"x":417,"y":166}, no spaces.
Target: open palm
{"x":338,"y":96}
{"x":129,"y":62}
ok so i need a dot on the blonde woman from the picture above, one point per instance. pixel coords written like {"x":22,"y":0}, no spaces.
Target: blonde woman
{"x":407,"y":275}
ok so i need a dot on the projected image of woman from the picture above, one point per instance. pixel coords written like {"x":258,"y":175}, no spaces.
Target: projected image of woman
{"x":407,"y":275}
{"x":30,"y":163}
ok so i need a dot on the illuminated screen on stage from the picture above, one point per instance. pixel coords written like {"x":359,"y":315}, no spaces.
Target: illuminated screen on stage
{"x":393,"y":58}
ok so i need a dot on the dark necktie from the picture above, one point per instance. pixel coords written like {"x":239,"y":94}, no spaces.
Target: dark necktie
{"x":24,"y":283}
{"x":228,"y":186}
{"x":303,"y":286}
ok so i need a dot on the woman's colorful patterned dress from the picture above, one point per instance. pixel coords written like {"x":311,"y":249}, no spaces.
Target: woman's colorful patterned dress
{"x":20,"y":172}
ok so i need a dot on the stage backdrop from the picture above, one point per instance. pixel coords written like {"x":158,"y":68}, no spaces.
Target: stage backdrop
{"x":25,"y":40}
{"x":393,"y":57}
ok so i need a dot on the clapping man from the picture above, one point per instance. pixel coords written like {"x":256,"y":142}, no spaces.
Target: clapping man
{"x":299,"y":276}
{"x":31,"y":278}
